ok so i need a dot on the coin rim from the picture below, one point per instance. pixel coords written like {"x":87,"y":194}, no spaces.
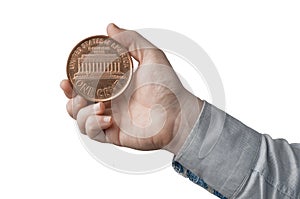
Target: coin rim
{"x":93,"y":99}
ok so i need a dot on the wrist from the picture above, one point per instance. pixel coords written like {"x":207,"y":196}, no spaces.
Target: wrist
{"x":189,"y":113}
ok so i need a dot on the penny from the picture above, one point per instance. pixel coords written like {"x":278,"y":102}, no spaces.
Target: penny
{"x":99,"y":68}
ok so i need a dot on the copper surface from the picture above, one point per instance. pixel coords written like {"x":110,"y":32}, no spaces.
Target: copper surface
{"x":99,"y":68}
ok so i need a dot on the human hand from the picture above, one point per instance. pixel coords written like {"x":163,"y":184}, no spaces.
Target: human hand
{"x":154,"y":112}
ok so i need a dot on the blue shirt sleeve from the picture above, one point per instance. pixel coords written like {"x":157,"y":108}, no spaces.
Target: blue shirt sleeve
{"x":231,"y":160}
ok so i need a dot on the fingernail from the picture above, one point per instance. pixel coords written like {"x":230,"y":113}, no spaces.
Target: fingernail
{"x":107,"y":119}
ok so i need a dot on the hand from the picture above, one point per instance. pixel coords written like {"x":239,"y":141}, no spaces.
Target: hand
{"x":154,"y":112}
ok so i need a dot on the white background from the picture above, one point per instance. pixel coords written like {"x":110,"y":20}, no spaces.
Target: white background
{"x":255,"y":46}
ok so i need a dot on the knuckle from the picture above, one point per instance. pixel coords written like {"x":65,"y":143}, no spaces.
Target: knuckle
{"x":79,"y":104}
{"x":92,"y":127}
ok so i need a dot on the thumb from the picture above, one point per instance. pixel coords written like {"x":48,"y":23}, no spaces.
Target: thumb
{"x":140,"y":48}
{"x":112,"y":29}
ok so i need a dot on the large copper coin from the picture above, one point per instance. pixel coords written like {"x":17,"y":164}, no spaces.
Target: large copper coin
{"x":99,"y":68}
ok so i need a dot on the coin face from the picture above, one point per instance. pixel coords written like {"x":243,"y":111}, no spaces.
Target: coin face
{"x":99,"y":68}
